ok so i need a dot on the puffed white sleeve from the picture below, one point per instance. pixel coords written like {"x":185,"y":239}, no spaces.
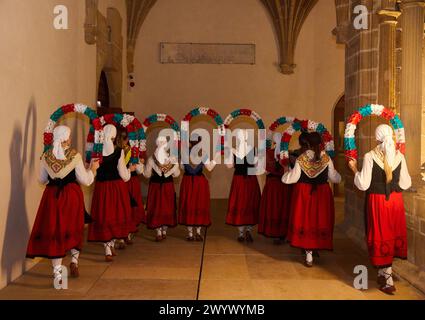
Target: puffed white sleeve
{"x":293,"y":175}
{"x":123,"y":171}
{"x":363,"y":178}
{"x":84,"y":176}
{"x":140,"y":168}
{"x":333,"y":175}
{"x":405,"y":181}
{"x":43,"y":177}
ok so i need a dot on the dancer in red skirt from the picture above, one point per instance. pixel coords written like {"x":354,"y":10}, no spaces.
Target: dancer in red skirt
{"x":384,"y":175}
{"x":312,"y":216}
{"x":245,"y":194}
{"x":161,"y":204}
{"x":59,"y":225}
{"x":194,"y":204}
{"x":275,"y":200}
{"x":134,"y":187}
{"x":111,"y":208}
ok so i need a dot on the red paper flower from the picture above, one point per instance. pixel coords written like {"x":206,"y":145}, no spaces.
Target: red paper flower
{"x":286,"y":137}
{"x":355,"y":118}
{"x":67,"y":108}
{"x":387,"y":114}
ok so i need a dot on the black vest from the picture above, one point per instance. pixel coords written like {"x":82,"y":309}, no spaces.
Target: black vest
{"x":108,"y":170}
{"x":322,"y":178}
{"x":156,"y":178}
{"x":61,"y":183}
{"x":378,"y":184}
{"x":241,"y":168}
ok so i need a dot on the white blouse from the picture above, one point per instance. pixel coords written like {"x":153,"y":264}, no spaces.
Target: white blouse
{"x":363,"y":178}
{"x":84,"y":176}
{"x":293,"y":175}
{"x":123,"y":171}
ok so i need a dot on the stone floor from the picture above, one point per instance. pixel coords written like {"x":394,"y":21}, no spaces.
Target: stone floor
{"x":221,"y":268}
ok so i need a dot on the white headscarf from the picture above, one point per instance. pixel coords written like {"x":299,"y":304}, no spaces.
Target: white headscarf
{"x":60,"y":135}
{"x":384,"y":134}
{"x":277,"y":138}
{"x":242,"y":147}
{"x":110,"y":133}
{"x":161,"y":153}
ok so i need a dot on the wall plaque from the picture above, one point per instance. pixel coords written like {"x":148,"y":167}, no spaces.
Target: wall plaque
{"x":207,"y":53}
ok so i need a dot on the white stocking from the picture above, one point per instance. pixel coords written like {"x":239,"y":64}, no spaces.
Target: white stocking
{"x":108,"y":246}
{"x":190,"y":231}
{"x":309,"y":256}
{"x":164,"y":230}
{"x":198,"y":230}
{"x":75,"y":254}
{"x":57,"y":268}
{"x":388,"y":274}
{"x":241,"y":230}
{"x":159,"y":232}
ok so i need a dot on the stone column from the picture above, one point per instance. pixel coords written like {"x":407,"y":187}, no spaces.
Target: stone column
{"x":412,"y":22}
{"x":387,"y":55}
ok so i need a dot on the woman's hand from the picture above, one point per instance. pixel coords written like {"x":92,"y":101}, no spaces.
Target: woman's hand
{"x":94,"y":165}
{"x":352,"y":164}
{"x":133,"y":167}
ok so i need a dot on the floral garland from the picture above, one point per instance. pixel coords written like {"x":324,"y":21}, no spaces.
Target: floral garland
{"x":94,"y":146}
{"x":368,"y":110}
{"x":161,"y":117}
{"x":136,"y":134}
{"x":279,"y":122}
{"x":306,"y":126}
{"x":247,"y":113}
{"x":214,"y":115}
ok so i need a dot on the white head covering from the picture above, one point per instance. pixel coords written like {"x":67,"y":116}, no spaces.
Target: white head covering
{"x":110,"y":133}
{"x":60,"y":134}
{"x":161,"y":153}
{"x":242,"y":147}
{"x":277,"y":138}
{"x":384,"y":134}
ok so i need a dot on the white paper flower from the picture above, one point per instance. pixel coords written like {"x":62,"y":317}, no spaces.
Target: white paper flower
{"x":126,"y":120}
{"x":228,"y":120}
{"x":284,"y":154}
{"x":203,"y":110}
{"x":377,"y":109}
{"x":290,"y":130}
{"x":400,"y":135}
{"x":99,"y":137}
{"x":185,"y":125}
{"x":161,"y":116}
{"x":89,"y":146}
{"x":290,"y":119}
{"x":330,"y":146}
{"x":80,"y":108}
{"x":312,"y":125}
{"x":50,"y":126}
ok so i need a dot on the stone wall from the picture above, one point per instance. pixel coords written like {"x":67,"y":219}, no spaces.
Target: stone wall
{"x":382,"y":67}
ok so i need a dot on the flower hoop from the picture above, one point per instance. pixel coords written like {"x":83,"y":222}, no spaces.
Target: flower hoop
{"x":136,"y":134}
{"x":247,"y":113}
{"x":368,"y":110}
{"x":94,"y":144}
{"x":279,"y":122}
{"x":306,"y":126}
{"x":160,"y":117}
{"x":212,"y":114}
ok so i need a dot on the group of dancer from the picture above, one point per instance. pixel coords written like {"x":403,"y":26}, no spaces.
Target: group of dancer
{"x":296,"y":205}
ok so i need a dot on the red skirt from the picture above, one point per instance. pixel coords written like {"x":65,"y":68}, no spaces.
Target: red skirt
{"x":244,"y":201}
{"x":312,"y":218}
{"x":111,"y":212}
{"x":194,"y":204}
{"x":386,"y":229}
{"x":274,"y":208}
{"x":161,"y":205}
{"x":139,"y":214}
{"x":59,"y":225}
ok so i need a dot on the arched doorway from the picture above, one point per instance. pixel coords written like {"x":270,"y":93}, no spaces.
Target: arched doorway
{"x":338,"y":130}
{"x":103,"y":91}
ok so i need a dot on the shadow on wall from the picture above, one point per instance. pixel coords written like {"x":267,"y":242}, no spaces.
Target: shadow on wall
{"x":22,"y":160}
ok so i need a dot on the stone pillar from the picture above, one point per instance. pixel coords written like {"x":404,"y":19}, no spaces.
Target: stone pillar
{"x":387,"y":55}
{"x":412,"y":22}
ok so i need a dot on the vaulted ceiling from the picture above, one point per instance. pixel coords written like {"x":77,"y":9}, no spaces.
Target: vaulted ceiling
{"x":288,"y":18}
